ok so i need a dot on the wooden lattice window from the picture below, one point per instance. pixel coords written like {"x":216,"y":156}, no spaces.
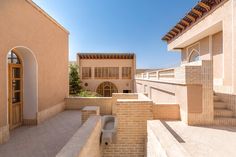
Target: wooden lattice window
{"x":86,"y":73}
{"x":107,"y":72}
{"x":126,"y":72}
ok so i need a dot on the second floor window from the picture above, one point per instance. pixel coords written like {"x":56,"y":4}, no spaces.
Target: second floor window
{"x":107,"y":72}
{"x":126,"y":72}
{"x":86,"y":73}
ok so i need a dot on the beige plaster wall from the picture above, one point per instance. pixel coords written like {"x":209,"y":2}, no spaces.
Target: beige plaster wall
{"x":222,"y":50}
{"x":121,"y":84}
{"x":191,"y":88}
{"x":24,"y":25}
{"x":217,"y":54}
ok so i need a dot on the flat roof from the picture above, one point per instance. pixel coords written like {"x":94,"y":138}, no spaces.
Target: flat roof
{"x":106,"y":55}
{"x":200,"y":141}
{"x":196,"y":14}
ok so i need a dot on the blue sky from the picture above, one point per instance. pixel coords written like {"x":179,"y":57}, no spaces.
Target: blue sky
{"x":120,"y":26}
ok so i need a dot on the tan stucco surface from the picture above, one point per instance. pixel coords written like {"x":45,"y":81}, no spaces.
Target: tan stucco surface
{"x":214,"y":37}
{"x":24,"y":25}
{"x":121,"y":84}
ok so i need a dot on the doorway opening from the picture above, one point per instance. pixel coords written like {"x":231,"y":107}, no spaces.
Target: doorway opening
{"x":106,"y":89}
{"x":22,"y":87}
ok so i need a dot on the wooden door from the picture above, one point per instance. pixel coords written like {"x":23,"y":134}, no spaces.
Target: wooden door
{"x":15,"y":95}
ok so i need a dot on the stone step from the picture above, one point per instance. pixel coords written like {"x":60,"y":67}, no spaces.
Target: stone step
{"x":216,"y":98}
{"x":225,"y":121}
{"x":223,"y":113}
{"x":220,"y":105}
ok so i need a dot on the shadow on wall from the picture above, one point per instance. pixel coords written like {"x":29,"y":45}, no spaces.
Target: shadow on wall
{"x":230,"y":99}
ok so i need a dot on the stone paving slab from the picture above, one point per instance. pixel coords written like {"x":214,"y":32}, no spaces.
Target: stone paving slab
{"x":44,"y":140}
{"x":206,"y":141}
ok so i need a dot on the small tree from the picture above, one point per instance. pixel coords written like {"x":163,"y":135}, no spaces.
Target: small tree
{"x":74,"y":80}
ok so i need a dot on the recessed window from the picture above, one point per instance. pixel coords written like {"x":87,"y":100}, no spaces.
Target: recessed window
{"x":194,"y":56}
{"x":86,"y":73}
{"x":126,"y":72}
{"x":107,"y":72}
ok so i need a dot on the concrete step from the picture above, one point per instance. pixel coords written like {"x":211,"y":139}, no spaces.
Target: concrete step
{"x":223,"y":113}
{"x":225,"y":121}
{"x":216,"y":98}
{"x":220,"y":105}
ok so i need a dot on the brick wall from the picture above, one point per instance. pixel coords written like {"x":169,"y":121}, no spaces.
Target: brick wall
{"x":89,"y":111}
{"x":191,"y":88}
{"x":132,"y":129}
{"x":105,"y":104}
{"x":85,"y":142}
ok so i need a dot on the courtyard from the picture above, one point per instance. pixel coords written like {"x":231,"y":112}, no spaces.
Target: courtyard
{"x":43,"y":140}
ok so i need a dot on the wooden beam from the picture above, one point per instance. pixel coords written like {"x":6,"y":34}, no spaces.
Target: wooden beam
{"x":217,"y":1}
{"x":170,"y":35}
{"x":181,"y":26}
{"x":173,"y":32}
{"x":204,"y":5}
{"x":177,"y":29}
{"x":185,"y":22}
{"x":191,"y":17}
{"x":195,"y":11}
{"x":167,"y":37}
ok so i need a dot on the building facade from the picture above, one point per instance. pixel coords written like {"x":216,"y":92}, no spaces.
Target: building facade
{"x":33,"y":65}
{"x":107,"y":73}
{"x":205,"y":37}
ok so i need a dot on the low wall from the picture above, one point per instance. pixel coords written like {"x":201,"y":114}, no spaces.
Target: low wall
{"x":4,"y":134}
{"x":105,"y":104}
{"x":166,"y":111}
{"x":161,"y":143}
{"x":190,"y":86}
{"x":85,"y":142}
{"x":47,"y":113}
{"x":132,"y":116}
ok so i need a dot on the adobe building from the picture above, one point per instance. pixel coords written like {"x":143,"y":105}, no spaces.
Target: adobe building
{"x":205,"y":37}
{"x":33,"y":65}
{"x":107,"y":73}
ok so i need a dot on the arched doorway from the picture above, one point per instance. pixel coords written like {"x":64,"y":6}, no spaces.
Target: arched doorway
{"x":22,"y":87}
{"x":106,"y":89}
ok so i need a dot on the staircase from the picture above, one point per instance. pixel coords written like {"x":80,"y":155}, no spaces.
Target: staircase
{"x":223,"y":115}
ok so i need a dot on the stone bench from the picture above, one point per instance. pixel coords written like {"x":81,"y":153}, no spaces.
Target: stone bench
{"x":88,"y":111}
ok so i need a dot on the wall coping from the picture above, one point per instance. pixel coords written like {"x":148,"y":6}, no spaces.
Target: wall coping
{"x":135,"y":101}
{"x":78,"y":141}
{"x":71,"y":97}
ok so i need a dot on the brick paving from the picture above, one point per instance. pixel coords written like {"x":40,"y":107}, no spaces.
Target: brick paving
{"x":44,"y":140}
